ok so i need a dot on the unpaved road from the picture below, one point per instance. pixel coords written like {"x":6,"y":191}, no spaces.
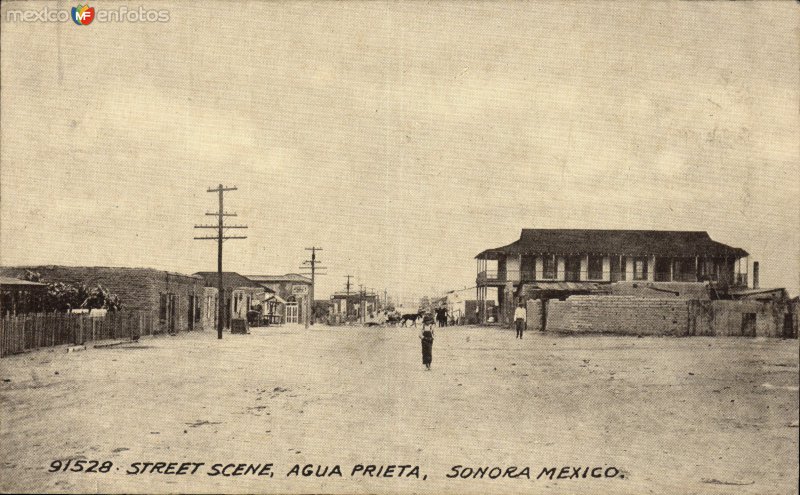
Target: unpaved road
{"x":693,"y":415}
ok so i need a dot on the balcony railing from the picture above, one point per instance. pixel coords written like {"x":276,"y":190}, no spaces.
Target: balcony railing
{"x":494,"y":276}
{"x":489,"y":276}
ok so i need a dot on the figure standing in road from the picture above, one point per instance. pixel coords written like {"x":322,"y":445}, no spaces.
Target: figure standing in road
{"x":520,"y":317}
{"x":426,"y":336}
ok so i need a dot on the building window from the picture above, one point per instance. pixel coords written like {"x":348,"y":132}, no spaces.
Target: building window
{"x":640,"y":269}
{"x":549,"y":267}
{"x":595,"y":267}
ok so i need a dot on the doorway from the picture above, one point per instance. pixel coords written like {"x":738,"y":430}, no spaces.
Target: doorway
{"x":291,"y":312}
{"x":748,"y":324}
{"x":191,"y":312}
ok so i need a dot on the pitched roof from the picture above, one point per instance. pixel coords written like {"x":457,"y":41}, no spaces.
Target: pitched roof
{"x":229,"y":280}
{"x":289,"y":277}
{"x":625,"y":242}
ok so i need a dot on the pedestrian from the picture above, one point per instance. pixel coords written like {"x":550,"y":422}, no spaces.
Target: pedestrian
{"x":441,"y":316}
{"x":426,"y":336}
{"x":520,"y":316}
{"x":427,"y":320}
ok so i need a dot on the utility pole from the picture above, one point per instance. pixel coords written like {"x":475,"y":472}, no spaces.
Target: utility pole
{"x":313,"y":264}
{"x":361,"y":303}
{"x":348,"y":284}
{"x":347,"y":291}
{"x":220,"y":237}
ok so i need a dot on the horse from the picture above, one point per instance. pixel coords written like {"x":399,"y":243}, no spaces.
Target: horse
{"x":393,"y":319}
{"x":412,"y":317}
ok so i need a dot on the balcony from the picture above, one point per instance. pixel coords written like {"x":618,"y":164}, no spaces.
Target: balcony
{"x":495,"y":277}
{"x":490,"y":277}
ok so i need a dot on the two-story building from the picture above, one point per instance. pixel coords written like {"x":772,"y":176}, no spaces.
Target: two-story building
{"x":580,"y":261}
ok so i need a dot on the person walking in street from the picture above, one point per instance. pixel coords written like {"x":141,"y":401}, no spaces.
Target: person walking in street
{"x":520,"y":317}
{"x":441,"y":316}
{"x":426,"y":336}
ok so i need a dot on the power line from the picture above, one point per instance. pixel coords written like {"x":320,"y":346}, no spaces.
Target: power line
{"x":220,"y":238}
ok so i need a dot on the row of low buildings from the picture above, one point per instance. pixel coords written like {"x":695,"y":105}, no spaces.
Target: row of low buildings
{"x":353,"y":306}
{"x":182,"y":302}
{"x":188,"y":301}
{"x":554,"y":264}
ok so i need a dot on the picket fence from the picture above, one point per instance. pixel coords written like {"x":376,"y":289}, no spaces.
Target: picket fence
{"x":22,"y":333}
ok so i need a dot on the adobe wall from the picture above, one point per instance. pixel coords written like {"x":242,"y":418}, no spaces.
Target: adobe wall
{"x":617,"y":314}
{"x":729,"y":318}
{"x":139,"y":289}
{"x":626,"y":315}
{"x":534,"y":315}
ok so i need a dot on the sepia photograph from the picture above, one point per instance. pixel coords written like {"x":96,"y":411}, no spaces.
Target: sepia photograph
{"x":400,"y":247}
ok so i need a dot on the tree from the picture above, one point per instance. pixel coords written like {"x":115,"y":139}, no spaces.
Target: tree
{"x":62,"y":296}
{"x":425,"y":303}
{"x":321,"y":309}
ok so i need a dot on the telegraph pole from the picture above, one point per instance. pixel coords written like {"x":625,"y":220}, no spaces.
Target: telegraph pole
{"x":220,"y":237}
{"x":361,"y":303}
{"x":347,"y":291}
{"x":313,"y":262}
{"x":348,"y":284}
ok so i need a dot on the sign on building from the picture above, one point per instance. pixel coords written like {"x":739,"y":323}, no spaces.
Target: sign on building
{"x":299,"y":290}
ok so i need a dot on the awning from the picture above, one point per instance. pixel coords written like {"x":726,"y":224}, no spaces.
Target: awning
{"x":567,"y":286}
{"x":277,"y":298}
{"x":778,"y":292}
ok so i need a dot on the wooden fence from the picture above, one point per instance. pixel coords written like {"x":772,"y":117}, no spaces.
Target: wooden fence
{"x":32,"y":331}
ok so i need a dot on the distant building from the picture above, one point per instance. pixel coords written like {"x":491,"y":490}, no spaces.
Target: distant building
{"x":291,"y":291}
{"x":20,"y":296}
{"x":461,"y":306}
{"x":353,"y":306}
{"x":177,"y":298}
{"x":562,"y":262}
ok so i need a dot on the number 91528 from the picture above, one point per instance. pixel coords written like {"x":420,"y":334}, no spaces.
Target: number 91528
{"x":81,"y":465}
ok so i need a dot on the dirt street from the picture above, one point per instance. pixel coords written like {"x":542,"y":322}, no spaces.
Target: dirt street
{"x":662,"y":415}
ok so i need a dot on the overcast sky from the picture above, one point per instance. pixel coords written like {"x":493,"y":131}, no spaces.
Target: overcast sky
{"x":403,"y":138}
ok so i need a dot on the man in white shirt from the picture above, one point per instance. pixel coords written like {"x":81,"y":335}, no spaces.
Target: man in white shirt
{"x":520,"y":316}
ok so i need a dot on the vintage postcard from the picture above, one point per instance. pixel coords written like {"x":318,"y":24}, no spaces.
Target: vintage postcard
{"x":439,"y":247}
